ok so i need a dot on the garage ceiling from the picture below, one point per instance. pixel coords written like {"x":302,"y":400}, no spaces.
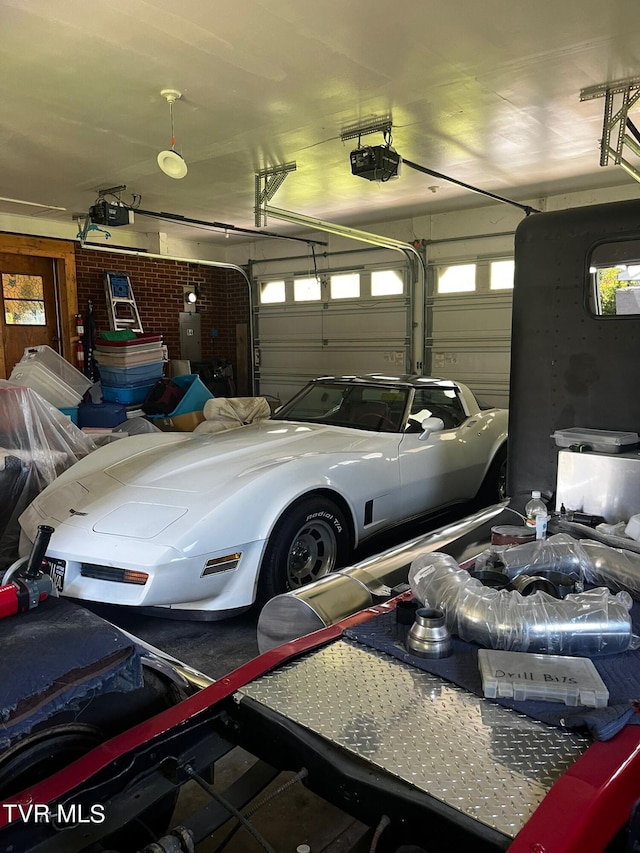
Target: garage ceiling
{"x":487,"y":92}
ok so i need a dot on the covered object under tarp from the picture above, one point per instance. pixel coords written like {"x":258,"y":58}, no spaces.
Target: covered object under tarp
{"x":224,"y":413}
{"x":37,"y":443}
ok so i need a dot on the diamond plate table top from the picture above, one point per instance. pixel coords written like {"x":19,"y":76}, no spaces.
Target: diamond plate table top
{"x":488,"y":762}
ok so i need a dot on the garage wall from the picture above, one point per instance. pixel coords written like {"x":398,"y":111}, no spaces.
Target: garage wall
{"x":158,"y":287}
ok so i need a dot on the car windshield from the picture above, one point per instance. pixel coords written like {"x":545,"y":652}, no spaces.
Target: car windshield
{"x":372,"y":407}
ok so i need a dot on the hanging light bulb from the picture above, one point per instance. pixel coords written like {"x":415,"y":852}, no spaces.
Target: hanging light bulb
{"x":172,"y":163}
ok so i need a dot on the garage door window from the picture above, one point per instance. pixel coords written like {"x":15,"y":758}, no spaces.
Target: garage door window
{"x":460,"y":278}
{"x":345,"y":286}
{"x":306,"y":289}
{"x":387,"y":283}
{"x":23,"y":297}
{"x":272,"y":292}
{"x":501,"y":275}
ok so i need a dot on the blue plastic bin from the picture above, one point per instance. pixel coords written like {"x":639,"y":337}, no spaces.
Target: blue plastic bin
{"x":196,"y":395}
{"x":126,"y":377}
{"x":127,"y":396}
{"x":101,"y":414}
{"x":72,"y":413}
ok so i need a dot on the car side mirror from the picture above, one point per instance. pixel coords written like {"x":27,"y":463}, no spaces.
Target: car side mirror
{"x":430,"y":425}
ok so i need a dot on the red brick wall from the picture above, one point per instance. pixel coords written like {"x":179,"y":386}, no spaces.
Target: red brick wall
{"x":157,"y":284}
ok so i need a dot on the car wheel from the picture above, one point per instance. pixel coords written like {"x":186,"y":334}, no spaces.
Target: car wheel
{"x":309,"y":541}
{"x":494,"y":486}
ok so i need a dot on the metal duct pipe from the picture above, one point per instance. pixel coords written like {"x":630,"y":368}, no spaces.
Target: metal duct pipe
{"x":589,"y":623}
{"x":343,"y":593}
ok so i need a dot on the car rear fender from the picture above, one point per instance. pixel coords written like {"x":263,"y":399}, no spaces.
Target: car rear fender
{"x":499,"y":443}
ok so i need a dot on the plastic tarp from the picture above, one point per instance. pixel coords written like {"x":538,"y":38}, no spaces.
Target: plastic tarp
{"x":224,"y":413}
{"x":590,"y":561}
{"x":37,"y":443}
{"x":588,"y":623}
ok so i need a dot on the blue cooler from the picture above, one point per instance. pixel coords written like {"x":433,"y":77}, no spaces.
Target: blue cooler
{"x":101,"y":415}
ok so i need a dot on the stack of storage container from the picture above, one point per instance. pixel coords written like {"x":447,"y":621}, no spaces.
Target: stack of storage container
{"x":51,"y":376}
{"x":129,"y":368}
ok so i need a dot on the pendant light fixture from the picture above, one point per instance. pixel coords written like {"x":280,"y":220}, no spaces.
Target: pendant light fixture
{"x":172,"y":163}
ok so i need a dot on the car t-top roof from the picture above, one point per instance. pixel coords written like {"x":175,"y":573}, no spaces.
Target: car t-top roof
{"x":405,"y":380}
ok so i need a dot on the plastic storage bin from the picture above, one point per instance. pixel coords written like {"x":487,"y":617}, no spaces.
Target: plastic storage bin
{"x":124,"y":358}
{"x":196,"y":395}
{"x":136,"y":348}
{"x":599,"y":440}
{"x":127,"y":396}
{"x":101,"y":414}
{"x":58,"y":366}
{"x":71,"y":413}
{"x":34,"y":375}
{"x":125,"y":377}
{"x":555,"y":678}
{"x":137,"y":342}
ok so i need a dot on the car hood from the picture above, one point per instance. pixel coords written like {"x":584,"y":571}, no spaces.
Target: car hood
{"x":204,"y":462}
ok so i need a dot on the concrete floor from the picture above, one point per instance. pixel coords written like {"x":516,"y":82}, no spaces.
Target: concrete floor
{"x":289,"y":821}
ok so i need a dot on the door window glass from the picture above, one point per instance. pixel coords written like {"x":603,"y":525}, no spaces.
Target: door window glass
{"x":614,"y":279}
{"x":23,"y":297}
{"x":441,"y":403}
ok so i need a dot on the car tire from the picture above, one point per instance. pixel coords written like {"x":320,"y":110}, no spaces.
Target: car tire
{"x":310,"y":540}
{"x":494,"y":486}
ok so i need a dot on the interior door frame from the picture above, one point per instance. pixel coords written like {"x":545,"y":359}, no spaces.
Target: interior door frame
{"x":62,"y":254}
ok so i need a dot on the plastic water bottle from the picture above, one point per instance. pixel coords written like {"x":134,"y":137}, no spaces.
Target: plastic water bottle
{"x":537,"y":516}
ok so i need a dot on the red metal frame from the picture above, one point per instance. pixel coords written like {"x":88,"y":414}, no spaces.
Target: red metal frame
{"x":589,"y":801}
{"x":73,"y":776}
{"x":579,"y":814}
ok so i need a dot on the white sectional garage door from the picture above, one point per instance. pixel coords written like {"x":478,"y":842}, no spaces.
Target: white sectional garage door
{"x":468,"y":326}
{"x":342,"y":322}
{"x":298,"y":339}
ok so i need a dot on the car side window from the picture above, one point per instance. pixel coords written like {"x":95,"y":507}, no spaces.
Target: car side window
{"x":443,"y":403}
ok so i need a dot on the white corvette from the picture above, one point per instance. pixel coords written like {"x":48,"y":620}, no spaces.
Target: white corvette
{"x":200,"y":526}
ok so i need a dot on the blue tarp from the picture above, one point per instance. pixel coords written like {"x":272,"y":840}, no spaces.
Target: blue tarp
{"x":58,"y":657}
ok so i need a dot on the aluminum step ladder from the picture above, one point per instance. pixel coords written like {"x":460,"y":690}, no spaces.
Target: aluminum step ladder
{"x":121,"y":303}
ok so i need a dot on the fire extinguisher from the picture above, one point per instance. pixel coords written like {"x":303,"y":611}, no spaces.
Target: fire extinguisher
{"x":80,"y":345}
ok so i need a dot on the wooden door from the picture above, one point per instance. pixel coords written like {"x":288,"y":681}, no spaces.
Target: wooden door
{"x":28,"y":301}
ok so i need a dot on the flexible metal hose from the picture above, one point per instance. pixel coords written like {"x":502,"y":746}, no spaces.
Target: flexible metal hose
{"x":590,"y":623}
